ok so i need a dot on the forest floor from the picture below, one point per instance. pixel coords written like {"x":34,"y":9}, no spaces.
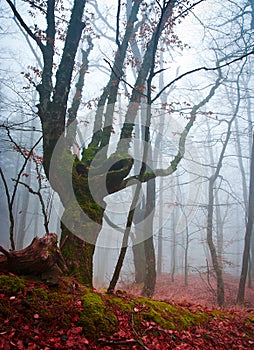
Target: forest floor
{"x":200,"y":290}
{"x":34,"y":315}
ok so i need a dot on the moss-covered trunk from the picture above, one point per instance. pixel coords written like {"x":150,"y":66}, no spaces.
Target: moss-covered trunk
{"x":78,"y":255}
{"x":81,"y":225}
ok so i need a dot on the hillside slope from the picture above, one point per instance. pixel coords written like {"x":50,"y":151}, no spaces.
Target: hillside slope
{"x":69,"y":316}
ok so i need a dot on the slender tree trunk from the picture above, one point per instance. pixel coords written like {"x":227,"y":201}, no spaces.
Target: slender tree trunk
{"x":186,"y":250}
{"x":124,"y":246}
{"x":173,"y":249}
{"x":215,"y":261}
{"x":249,"y":227}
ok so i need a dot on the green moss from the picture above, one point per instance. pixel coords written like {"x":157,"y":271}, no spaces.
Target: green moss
{"x":250,"y":320}
{"x":78,"y":255}
{"x":168,"y":316}
{"x":85,"y":199}
{"x":11,"y":285}
{"x":96,"y":318}
{"x":88,"y":154}
{"x":220,"y":314}
{"x":121,"y":166}
{"x":121,"y":304}
{"x":161,"y":313}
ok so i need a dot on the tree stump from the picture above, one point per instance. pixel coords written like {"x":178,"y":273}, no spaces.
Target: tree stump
{"x":41,"y":257}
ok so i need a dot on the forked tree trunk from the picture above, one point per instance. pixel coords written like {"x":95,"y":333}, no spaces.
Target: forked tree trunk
{"x":40,"y":257}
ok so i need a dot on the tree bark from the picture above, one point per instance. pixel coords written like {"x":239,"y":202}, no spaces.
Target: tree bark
{"x":41,"y":256}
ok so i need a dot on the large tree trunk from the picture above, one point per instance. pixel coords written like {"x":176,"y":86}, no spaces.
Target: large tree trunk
{"x":81,"y":224}
{"x":78,"y":255}
{"x":40,"y":257}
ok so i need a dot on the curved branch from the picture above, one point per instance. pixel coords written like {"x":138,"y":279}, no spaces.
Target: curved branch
{"x":181,"y":148}
{"x":25,"y":27}
{"x":202,"y":68}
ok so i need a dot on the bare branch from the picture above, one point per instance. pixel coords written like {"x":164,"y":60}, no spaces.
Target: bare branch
{"x":202,"y":68}
{"x":25,"y":26}
{"x":10,"y":212}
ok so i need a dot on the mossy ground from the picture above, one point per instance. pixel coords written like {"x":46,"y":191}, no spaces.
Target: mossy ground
{"x":70,"y":316}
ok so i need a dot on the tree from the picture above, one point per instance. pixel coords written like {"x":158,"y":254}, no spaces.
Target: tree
{"x":52,"y":110}
{"x":96,"y":171}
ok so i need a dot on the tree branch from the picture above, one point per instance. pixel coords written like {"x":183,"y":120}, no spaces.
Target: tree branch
{"x":117,"y":23}
{"x":24,"y":25}
{"x":202,"y":68}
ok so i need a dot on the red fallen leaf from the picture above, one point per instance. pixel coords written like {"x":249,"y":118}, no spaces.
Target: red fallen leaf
{"x":75,"y":330}
{"x":75,"y":318}
{"x":36,"y":330}
{"x":13,"y":331}
{"x":55,"y":340}
{"x":78,"y":303}
{"x":20,"y":344}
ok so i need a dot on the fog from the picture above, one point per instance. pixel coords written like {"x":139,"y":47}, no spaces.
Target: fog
{"x":213,"y":46}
